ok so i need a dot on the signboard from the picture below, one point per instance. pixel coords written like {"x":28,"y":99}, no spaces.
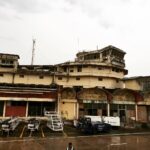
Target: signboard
{"x":113,"y":121}
{"x":94,"y":101}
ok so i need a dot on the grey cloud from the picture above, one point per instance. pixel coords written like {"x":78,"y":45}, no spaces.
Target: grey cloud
{"x":6,"y":38}
{"x":105,"y":24}
{"x":91,"y":8}
{"x":94,"y":9}
{"x":125,"y":0}
{"x":27,"y":6}
{"x":72,"y":2}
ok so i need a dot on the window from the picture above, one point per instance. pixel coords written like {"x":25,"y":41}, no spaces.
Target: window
{"x":99,"y":68}
{"x":130,"y":107}
{"x":65,"y":69}
{"x":21,"y":76}
{"x":71,"y":70}
{"x":113,"y":69}
{"x":85,"y":66}
{"x":1,"y":75}
{"x":92,"y":56}
{"x":59,"y":78}
{"x":146,"y":85}
{"x":16,"y":103}
{"x":100,"y":79}
{"x":116,"y":70}
{"x":77,"y":78}
{"x":117,"y":81}
{"x":121,"y":106}
{"x":79,"y":69}
{"x":11,"y":62}
{"x":41,"y":77}
{"x":5,"y":61}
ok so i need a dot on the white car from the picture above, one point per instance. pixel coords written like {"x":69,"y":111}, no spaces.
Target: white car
{"x":33,"y":124}
{"x":10,"y":124}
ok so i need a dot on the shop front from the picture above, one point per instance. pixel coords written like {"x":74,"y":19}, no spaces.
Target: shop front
{"x":1,"y":108}
{"x":93,"y":102}
{"x":124,"y":106}
{"x":27,"y":102}
{"x":38,"y":108}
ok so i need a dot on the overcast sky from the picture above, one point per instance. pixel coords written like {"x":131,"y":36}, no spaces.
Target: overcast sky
{"x":64,"y":27}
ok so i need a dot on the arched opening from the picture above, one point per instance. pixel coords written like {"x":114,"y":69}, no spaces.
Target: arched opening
{"x":68,"y":93}
{"x":92,"y":101}
{"x":123,"y":105}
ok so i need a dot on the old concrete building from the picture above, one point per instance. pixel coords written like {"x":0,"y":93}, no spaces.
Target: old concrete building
{"x":141,"y":84}
{"x":93,"y":84}
{"x":25,"y":90}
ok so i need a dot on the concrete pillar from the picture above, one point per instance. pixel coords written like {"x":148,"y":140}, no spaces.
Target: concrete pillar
{"x":136,"y":112}
{"x":58,"y":103}
{"x":77,"y":110}
{"x":108,"y":109}
{"x":27,"y":108}
{"x":4,"y":109}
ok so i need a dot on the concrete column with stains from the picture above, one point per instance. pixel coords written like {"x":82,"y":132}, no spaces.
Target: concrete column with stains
{"x":27,"y":108}
{"x":108,"y":109}
{"x":136,"y":112}
{"x":4,"y":109}
{"x":58,"y":103}
{"x":77,"y":110}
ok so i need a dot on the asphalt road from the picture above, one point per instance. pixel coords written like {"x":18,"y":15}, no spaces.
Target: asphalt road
{"x":130,"y":142}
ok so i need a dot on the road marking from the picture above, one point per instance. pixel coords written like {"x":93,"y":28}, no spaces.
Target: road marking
{"x":22,"y":131}
{"x":65,"y":134}
{"x":42,"y":132}
{"x":117,"y":144}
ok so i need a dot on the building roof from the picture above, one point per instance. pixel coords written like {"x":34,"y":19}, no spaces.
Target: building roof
{"x":101,"y":50}
{"x":136,"y":77}
{"x":1,"y":54}
{"x":36,"y":69}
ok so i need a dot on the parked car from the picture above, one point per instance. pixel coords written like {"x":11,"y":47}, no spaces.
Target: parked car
{"x":10,"y":124}
{"x":87,"y":126}
{"x":33,"y":124}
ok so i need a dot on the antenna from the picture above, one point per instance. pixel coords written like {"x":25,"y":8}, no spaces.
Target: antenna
{"x":97,"y":47}
{"x":78,"y":43}
{"x":33,"y":50}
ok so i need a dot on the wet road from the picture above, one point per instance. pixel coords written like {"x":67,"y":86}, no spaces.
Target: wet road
{"x":131,"y":142}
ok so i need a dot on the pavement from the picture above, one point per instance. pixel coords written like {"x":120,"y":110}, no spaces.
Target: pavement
{"x":45,"y":139}
{"x":69,"y":131}
{"x":96,"y":142}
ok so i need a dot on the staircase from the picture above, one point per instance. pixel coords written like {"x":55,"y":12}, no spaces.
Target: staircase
{"x":54,"y":122}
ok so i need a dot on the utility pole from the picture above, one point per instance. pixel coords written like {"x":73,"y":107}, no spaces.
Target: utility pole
{"x":33,"y":50}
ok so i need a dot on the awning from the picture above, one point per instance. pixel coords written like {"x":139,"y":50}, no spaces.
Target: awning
{"x":94,"y":101}
{"x":122,"y":102}
{"x":144,"y":103}
{"x":27,"y":99}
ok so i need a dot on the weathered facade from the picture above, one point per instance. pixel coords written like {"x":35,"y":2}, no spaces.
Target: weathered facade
{"x":92,"y":84}
{"x":142,"y":85}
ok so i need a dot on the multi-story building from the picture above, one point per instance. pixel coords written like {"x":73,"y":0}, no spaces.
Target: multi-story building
{"x":25,"y":90}
{"x":92,"y":84}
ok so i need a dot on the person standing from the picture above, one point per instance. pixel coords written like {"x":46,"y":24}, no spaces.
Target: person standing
{"x":70,"y":146}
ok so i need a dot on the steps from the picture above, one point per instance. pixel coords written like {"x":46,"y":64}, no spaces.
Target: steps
{"x":54,"y":122}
